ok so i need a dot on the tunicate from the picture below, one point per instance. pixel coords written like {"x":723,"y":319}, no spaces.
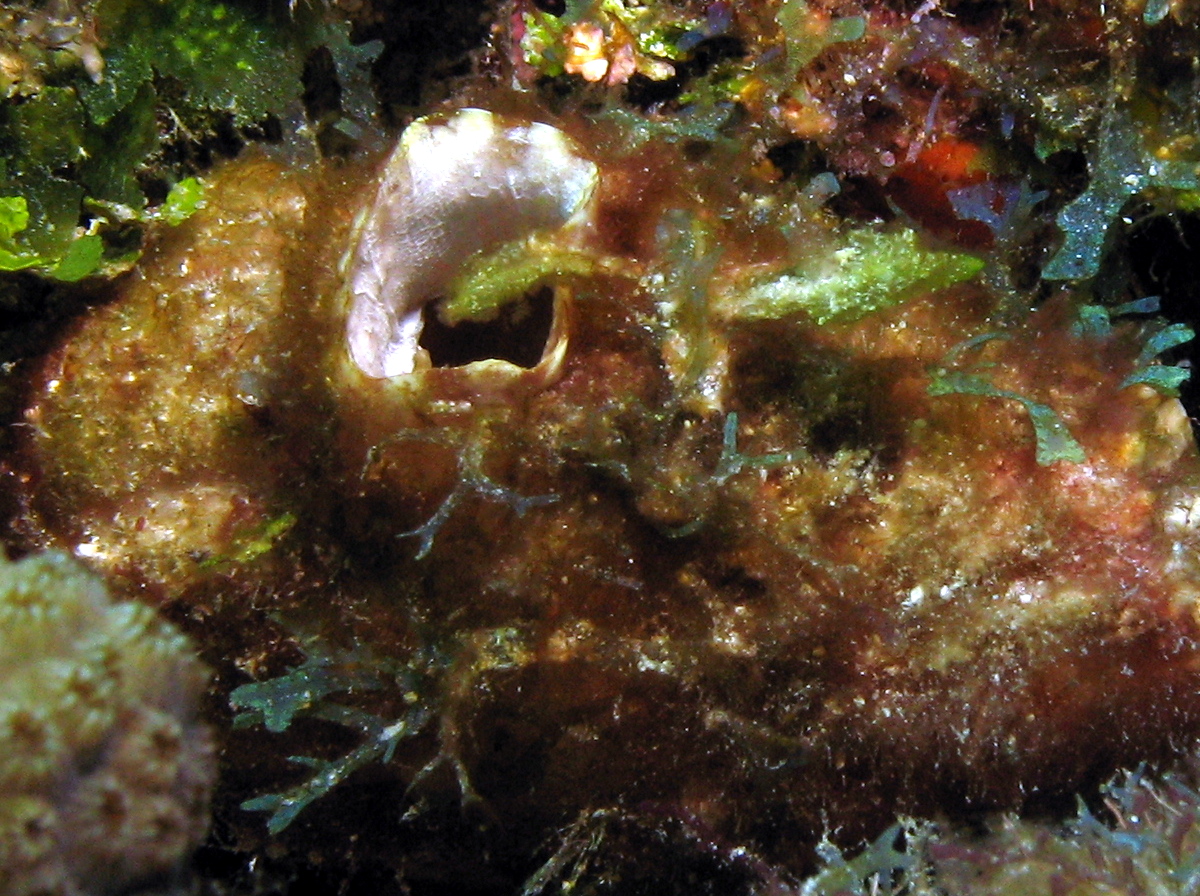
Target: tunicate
{"x":452,"y":189}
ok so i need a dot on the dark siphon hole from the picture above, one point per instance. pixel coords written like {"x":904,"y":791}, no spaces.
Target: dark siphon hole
{"x":797,"y":158}
{"x":518,"y":334}
{"x":861,"y":199}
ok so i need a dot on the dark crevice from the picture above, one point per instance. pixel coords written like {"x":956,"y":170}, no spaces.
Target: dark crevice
{"x":1163,"y":253}
{"x":518,"y":333}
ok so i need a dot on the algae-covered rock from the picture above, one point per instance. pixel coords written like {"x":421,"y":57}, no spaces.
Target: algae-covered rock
{"x":903,"y":560}
{"x":105,"y":768}
{"x":224,"y":300}
{"x":669,"y":459}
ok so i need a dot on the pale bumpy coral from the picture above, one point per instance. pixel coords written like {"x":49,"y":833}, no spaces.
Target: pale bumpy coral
{"x":105,"y":769}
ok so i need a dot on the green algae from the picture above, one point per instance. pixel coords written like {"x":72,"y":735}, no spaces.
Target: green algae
{"x":184,"y":200}
{"x":1096,"y":323}
{"x":253,"y":544}
{"x":85,"y":135}
{"x":472,"y":481}
{"x":1054,"y":441}
{"x":807,"y":35}
{"x":491,"y":280}
{"x":1122,"y":166}
{"x":1146,"y":839}
{"x":870,"y":271}
{"x":306,"y":691}
{"x":432,"y":680}
{"x":224,"y":57}
{"x":14,"y":217}
{"x":660,"y":34}
{"x":1164,"y":377}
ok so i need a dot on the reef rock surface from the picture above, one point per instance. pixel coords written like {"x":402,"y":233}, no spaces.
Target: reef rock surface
{"x":692,"y":506}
